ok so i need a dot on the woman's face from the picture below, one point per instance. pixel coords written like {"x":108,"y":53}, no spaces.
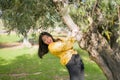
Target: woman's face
{"x":47,"y":39}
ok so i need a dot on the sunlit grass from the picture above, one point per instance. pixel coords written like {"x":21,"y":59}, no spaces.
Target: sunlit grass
{"x":24,"y":64}
{"x":12,"y":53}
{"x":18,"y":61}
{"x":8,"y":38}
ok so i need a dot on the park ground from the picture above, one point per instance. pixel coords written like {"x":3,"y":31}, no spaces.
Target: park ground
{"x":21,"y":63}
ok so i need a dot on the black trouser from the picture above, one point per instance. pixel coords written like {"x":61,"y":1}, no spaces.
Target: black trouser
{"x":76,"y":68}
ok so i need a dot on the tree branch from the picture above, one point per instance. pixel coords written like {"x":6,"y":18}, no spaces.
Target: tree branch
{"x":95,"y":5}
{"x":62,"y":7}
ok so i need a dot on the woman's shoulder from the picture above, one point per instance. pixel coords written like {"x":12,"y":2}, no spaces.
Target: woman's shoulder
{"x":54,"y":46}
{"x":60,"y":38}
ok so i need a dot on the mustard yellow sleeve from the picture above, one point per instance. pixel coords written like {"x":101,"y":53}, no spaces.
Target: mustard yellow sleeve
{"x":61,"y":46}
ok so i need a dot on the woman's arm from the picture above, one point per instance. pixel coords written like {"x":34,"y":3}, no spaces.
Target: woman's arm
{"x":62,"y":45}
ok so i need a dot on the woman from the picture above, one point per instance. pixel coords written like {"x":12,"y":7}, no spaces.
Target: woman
{"x":64,"y":50}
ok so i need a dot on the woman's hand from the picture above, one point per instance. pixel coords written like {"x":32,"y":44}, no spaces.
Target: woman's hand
{"x":77,"y":34}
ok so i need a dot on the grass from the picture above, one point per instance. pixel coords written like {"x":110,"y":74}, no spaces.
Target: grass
{"x":9,"y":38}
{"x":24,"y":64}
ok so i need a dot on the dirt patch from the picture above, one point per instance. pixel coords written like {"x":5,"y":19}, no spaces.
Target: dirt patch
{"x":20,"y":74}
{"x":8,"y":45}
{"x":61,"y":78}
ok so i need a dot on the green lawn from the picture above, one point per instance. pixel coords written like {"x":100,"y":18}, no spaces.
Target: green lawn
{"x":9,"y":38}
{"x":24,"y":64}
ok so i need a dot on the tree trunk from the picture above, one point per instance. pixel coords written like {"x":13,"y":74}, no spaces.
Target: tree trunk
{"x":100,"y":51}
{"x":26,"y":42}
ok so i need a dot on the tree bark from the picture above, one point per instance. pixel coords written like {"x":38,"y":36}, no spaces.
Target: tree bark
{"x":106,"y":56}
{"x":101,"y":52}
{"x":26,"y":42}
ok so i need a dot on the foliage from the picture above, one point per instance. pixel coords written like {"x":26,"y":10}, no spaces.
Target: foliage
{"x":100,"y":11}
{"x":22,"y":15}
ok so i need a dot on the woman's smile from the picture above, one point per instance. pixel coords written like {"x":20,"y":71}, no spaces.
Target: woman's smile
{"x":47,"y":39}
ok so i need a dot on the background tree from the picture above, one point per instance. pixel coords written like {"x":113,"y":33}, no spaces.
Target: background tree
{"x":24,"y":15}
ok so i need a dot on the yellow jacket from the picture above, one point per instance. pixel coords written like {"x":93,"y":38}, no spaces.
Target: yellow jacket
{"x":63,"y":49}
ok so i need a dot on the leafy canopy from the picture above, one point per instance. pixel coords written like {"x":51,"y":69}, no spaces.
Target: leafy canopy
{"x":22,"y":15}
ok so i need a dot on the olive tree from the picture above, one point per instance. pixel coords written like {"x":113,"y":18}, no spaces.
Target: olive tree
{"x":96,"y":25}
{"x":24,"y":15}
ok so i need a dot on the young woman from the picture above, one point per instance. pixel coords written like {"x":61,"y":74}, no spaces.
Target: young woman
{"x":63,"y":49}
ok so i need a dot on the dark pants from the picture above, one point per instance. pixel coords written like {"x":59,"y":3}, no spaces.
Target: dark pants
{"x":75,"y":68}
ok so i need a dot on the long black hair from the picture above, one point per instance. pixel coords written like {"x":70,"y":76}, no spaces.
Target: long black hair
{"x":43,"y":48}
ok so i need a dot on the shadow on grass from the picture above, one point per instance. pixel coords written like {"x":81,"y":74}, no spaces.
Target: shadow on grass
{"x":30,"y":67}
